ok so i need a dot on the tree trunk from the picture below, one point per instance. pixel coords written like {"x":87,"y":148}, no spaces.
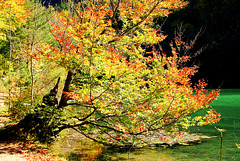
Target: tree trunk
{"x":64,"y":98}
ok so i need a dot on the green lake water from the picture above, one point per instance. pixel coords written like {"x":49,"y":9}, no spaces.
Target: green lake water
{"x":228,"y":104}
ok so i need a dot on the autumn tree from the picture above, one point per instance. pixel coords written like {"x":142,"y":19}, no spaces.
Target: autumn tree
{"x":114,"y":94}
{"x":27,"y":76}
{"x":12,"y":16}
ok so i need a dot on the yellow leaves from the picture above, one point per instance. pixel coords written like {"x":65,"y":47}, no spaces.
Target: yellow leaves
{"x":168,"y":6}
{"x":92,"y":29}
{"x":148,"y":35}
{"x":220,"y":130}
{"x":16,"y":11}
{"x":238,"y":145}
{"x":173,"y":4}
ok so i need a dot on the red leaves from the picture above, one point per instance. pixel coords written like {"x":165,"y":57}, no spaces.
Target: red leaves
{"x":212,"y":117}
{"x":88,"y":8}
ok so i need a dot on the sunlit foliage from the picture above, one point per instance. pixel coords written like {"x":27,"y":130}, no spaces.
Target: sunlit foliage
{"x":119,"y":96}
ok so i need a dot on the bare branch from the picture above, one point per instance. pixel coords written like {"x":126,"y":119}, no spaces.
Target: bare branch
{"x":86,"y":117}
{"x":98,"y":141}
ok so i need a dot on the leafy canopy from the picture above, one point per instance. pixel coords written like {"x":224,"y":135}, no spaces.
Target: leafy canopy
{"x":118,"y":94}
{"x":13,"y":11}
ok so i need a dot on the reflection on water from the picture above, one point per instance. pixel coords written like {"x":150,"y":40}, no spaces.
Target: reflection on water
{"x":86,"y":150}
{"x":75,"y":147}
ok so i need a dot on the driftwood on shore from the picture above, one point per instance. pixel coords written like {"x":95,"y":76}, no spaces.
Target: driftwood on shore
{"x":176,"y":138}
{"x":162,"y":138}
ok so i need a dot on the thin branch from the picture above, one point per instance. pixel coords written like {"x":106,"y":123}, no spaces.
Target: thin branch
{"x":86,"y":117}
{"x":10,"y":57}
{"x":98,"y":141}
{"x":112,"y":137}
{"x":80,"y":104}
{"x":139,"y":23}
{"x":115,"y":9}
{"x":32,"y":49}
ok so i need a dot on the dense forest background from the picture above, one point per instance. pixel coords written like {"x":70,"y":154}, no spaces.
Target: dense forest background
{"x":219,"y":21}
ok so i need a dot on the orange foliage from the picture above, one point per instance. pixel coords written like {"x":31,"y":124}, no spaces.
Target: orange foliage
{"x":119,"y":93}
